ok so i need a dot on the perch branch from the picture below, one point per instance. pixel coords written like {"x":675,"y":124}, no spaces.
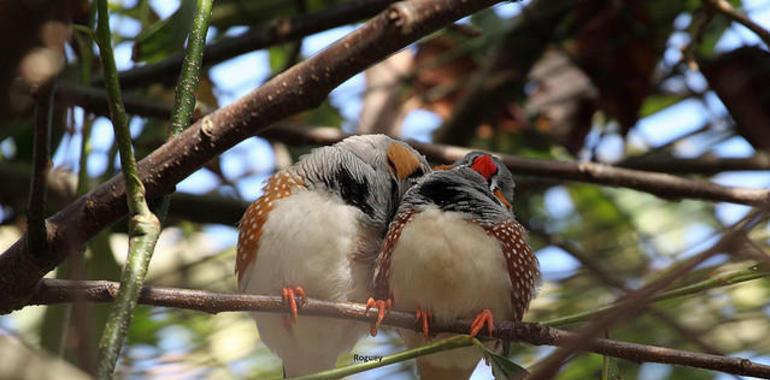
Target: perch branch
{"x":52,"y":291}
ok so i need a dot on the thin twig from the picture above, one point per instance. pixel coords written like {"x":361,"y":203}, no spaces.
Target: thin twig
{"x":37,"y":239}
{"x":724,"y":7}
{"x":143,"y":226}
{"x":184,"y":100}
{"x":752,"y":273}
{"x":636,"y":300}
{"x":609,"y":279}
{"x":52,"y":291}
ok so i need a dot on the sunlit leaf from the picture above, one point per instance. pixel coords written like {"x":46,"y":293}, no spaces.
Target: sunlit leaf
{"x":502,"y":367}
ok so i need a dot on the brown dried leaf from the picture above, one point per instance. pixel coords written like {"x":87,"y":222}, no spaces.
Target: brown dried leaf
{"x":741,"y":78}
{"x":441,"y":71}
{"x":617,"y":45}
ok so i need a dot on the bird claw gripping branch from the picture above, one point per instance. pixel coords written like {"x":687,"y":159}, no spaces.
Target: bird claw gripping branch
{"x":383,"y":306}
{"x":290,"y":296}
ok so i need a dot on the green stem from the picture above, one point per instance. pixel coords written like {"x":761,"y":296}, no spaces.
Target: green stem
{"x":752,"y":273}
{"x":143,"y":225}
{"x":184,"y":103}
{"x":84,"y":46}
{"x":433,"y":347}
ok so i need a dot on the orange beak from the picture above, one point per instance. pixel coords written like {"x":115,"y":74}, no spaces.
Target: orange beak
{"x":501,"y":197}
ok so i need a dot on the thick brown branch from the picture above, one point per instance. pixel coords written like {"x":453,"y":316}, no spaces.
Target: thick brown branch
{"x":53,"y":291}
{"x":279,"y":31}
{"x":300,"y":88}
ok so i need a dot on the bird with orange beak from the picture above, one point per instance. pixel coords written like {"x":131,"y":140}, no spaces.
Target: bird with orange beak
{"x":455,"y":251}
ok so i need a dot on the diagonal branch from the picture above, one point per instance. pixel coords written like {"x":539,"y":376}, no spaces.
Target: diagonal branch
{"x":724,"y":7}
{"x":300,"y":88}
{"x":53,"y":291}
{"x":609,"y":279}
{"x":634,"y":301}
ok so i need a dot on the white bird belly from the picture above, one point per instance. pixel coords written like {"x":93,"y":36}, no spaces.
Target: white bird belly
{"x":307,"y":241}
{"x":451,"y":267}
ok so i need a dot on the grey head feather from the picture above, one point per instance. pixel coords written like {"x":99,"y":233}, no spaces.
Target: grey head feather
{"x":373,"y":149}
{"x":460,"y":189}
{"x":341,"y":173}
{"x":357,"y":170}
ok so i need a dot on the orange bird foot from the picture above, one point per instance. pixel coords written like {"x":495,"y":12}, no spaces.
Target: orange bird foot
{"x":484,"y":317}
{"x":290,"y":297}
{"x":424,"y":318}
{"x":383,"y":306}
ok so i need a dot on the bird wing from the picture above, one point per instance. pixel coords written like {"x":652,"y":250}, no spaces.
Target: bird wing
{"x":382,"y":271}
{"x":522,"y":263}
{"x":280,"y":185}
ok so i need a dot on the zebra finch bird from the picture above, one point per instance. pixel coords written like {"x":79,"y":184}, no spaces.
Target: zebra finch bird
{"x":316,"y":232}
{"x":454,"y":251}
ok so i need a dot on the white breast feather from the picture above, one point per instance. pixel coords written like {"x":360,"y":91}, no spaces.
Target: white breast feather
{"x":306,"y":241}
{"x":449,"y":265}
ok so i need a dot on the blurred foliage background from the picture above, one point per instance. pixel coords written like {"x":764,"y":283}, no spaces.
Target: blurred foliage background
{"x":652,"y":84}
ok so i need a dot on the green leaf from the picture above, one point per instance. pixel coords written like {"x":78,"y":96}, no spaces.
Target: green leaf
{"x":165,"y":36}
{"x":502,"y":367}
{"x":278,"y":57}
{"x":658,"y":102}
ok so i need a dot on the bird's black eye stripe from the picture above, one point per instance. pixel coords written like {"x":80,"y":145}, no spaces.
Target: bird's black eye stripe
{"x":392,"y":165}
{"x":417,"y":173}
{"x":354,"y":190}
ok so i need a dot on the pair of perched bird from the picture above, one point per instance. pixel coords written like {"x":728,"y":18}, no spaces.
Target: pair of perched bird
{"x":367,"y":220}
